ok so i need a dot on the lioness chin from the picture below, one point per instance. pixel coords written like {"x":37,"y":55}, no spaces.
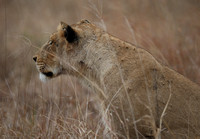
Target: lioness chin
{"x":141,"y":98}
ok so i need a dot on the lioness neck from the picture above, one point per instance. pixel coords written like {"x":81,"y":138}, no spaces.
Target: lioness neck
{"x":100,"y":59}
{"x":101,"y":63}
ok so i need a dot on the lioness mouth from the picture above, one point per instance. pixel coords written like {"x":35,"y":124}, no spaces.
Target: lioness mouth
{"x":48,"y":74}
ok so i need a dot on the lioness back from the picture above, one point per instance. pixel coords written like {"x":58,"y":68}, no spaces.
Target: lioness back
{"x":143,"y":97}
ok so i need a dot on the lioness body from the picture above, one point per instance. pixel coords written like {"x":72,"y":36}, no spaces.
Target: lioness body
{"x":142,"y":95}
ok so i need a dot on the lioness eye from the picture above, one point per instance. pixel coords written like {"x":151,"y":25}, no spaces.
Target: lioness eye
{"x":50,"y":42}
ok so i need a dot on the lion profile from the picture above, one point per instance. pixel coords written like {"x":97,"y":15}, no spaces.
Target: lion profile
{"x":144,"y":98}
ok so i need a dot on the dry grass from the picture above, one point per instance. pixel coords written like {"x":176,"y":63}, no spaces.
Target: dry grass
{"x":62,"y":108}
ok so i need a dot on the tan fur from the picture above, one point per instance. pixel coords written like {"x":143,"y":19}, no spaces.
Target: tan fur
{"x":132,"y":84}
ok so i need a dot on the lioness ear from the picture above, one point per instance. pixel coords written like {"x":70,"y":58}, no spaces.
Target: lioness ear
{"x":68,"y":32}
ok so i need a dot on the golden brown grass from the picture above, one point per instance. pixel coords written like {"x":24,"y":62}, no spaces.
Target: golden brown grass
{"x":62,"y":108}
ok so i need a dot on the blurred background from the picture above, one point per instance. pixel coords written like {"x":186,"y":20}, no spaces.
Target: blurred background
{"x":62,"y":108}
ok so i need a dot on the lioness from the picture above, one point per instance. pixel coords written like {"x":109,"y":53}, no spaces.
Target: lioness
{"x":141,"y":97}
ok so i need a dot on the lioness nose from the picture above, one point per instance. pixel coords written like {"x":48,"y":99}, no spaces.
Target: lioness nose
{"x":35,"y":58}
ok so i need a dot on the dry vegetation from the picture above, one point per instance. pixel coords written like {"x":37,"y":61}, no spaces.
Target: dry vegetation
{"x":62,"y":108}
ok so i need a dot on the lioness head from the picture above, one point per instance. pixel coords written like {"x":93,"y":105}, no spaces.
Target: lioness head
{"x":61,"y":53}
